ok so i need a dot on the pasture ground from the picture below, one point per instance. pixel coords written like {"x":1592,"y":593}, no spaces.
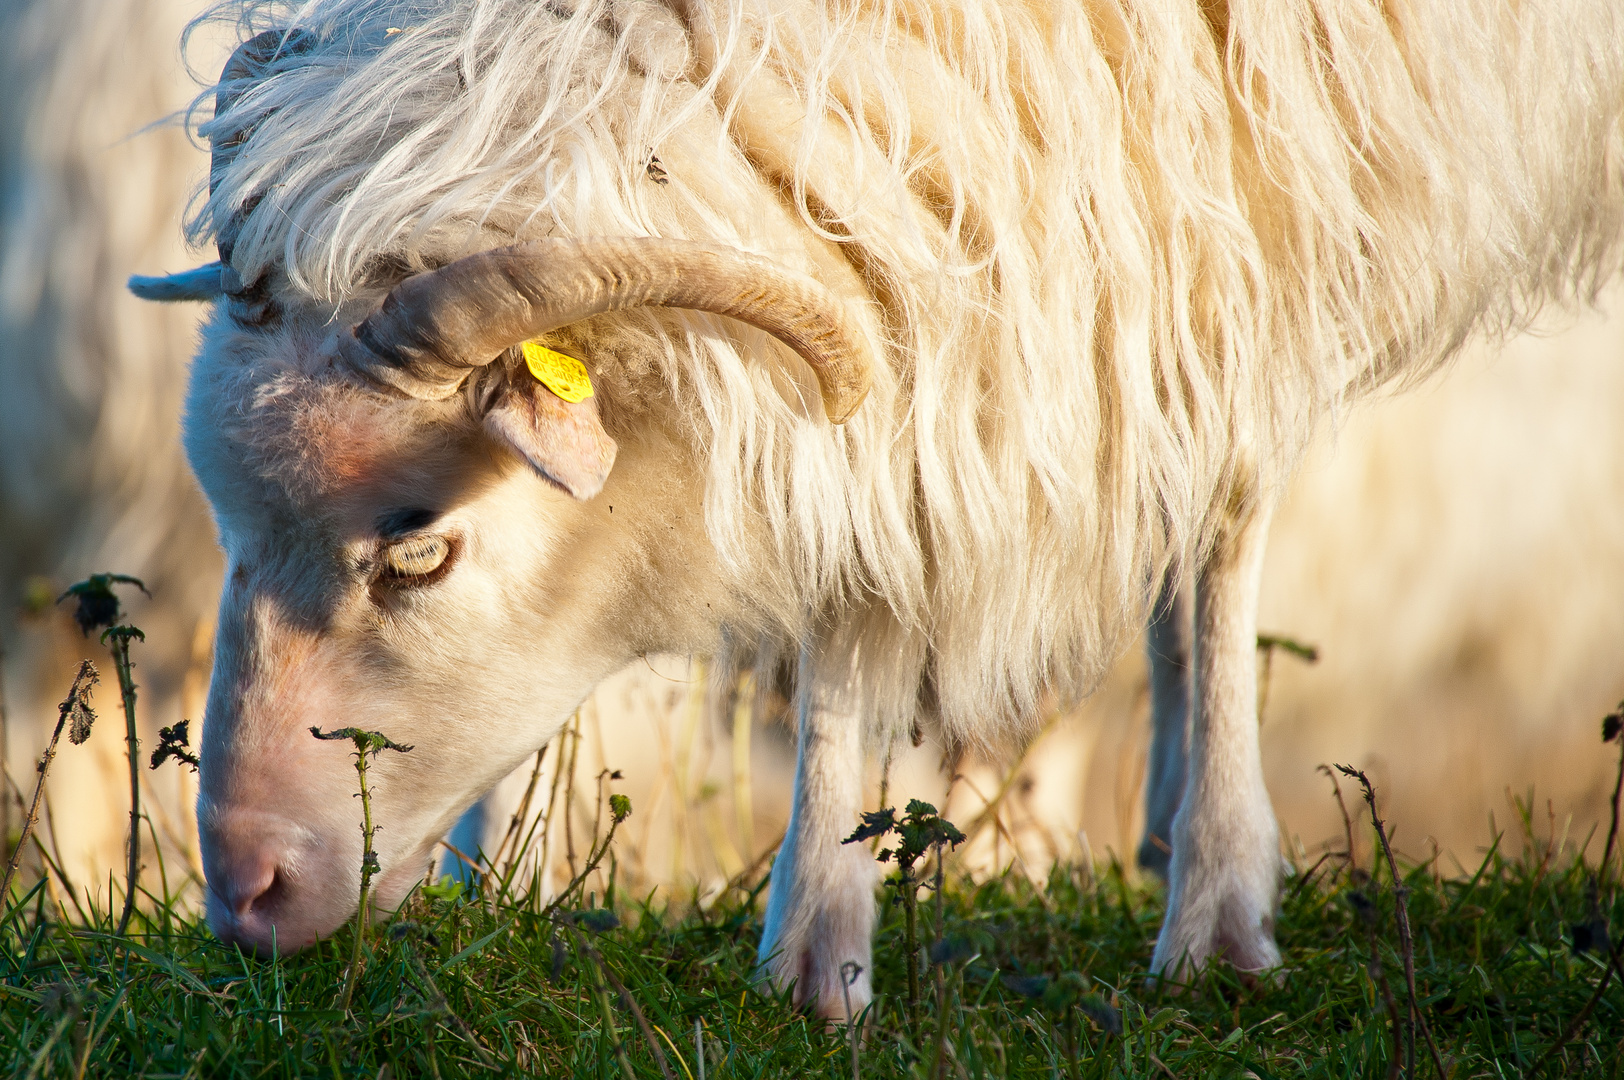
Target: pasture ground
{"x":1021,"y":981}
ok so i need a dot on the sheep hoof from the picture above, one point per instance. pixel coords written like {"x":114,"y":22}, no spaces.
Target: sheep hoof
{"x":806,"y":974}
{"x":1220,"y":908}
{"x":1234,"y":931}
{"x":820,"y":946}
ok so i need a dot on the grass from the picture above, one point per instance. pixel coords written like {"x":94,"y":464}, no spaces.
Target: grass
{"x":1504,"y":972}
{"x":1024,"y":981}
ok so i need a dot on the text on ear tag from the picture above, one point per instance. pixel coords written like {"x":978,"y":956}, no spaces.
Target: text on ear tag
{"x":563,"y":375}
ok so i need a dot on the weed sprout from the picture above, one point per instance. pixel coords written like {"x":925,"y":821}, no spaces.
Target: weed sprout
{"x":920,"y":832}
{"x":367,"y":744}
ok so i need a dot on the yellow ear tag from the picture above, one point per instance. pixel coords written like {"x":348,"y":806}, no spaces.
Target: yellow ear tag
{"x":563,"y":375}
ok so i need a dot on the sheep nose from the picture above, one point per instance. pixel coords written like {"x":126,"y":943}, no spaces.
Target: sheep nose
{"x":249,"y":882}
{"x":247,"y":860}
{"x":247,"y":900}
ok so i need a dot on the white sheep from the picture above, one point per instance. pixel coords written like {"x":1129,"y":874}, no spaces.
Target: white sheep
{"x":1098,"y":268}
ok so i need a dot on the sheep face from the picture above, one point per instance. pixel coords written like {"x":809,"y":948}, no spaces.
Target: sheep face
{"x":394,"y":565}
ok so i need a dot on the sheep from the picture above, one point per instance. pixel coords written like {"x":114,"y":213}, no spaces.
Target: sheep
{"x":928,"y":343}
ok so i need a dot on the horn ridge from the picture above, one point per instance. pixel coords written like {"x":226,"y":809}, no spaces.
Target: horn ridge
{"x":435,"y":326}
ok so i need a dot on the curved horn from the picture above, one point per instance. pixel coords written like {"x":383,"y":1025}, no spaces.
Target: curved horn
{"x":250,"y":61}
{"x":435,"y":326}
{"x":207,"y":282}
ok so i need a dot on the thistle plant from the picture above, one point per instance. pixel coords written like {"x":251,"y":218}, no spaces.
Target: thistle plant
{"x":98,"y":606}
{"x":173,"y":742}
{"x":368,"y":744}
{"x":920,"y":831}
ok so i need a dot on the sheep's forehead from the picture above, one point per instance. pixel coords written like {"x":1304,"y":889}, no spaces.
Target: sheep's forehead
{"x":327,"y":437}
{"x":271,"y":421}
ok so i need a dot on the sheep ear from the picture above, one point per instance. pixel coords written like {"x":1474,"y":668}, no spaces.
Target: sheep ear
{"x":204,"y":283}
{"x":563,"y":441}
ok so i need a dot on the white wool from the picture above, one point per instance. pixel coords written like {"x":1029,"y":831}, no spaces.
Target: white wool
{"x":1117,"y":257}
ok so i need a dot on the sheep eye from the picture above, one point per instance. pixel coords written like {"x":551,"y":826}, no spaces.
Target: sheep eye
{"x":415,"y":557}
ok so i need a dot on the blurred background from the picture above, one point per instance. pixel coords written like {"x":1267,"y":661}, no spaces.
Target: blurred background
{"x":1454,"y":554}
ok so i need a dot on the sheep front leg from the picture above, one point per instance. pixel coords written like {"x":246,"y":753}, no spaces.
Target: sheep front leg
{"x":1167,"y":648}
{"x":820,"y":910}
{"x":1223,"y":878}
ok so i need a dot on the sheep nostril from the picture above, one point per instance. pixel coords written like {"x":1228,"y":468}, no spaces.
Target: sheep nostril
{"x":270,"y":898}
{"x":254,"y":886}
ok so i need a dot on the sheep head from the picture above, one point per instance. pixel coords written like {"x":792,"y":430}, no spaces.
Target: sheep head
{"x":424,"y":539}
{"x":456,"y":570}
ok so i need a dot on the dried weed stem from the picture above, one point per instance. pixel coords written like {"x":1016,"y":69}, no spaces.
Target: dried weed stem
{"x":1612,"y":727}
{"x":574,"y":733}
{"x":75,"y":708}
{"x":620,"y":808}
{"x":520,"y":816}
{"x":117,"y":639}
{"x":744,"y":710}
{"x":97,"y":605}
{"x":1347,"y":819}
{"x":1267,"y":644}
{"x":1406,"y":941}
